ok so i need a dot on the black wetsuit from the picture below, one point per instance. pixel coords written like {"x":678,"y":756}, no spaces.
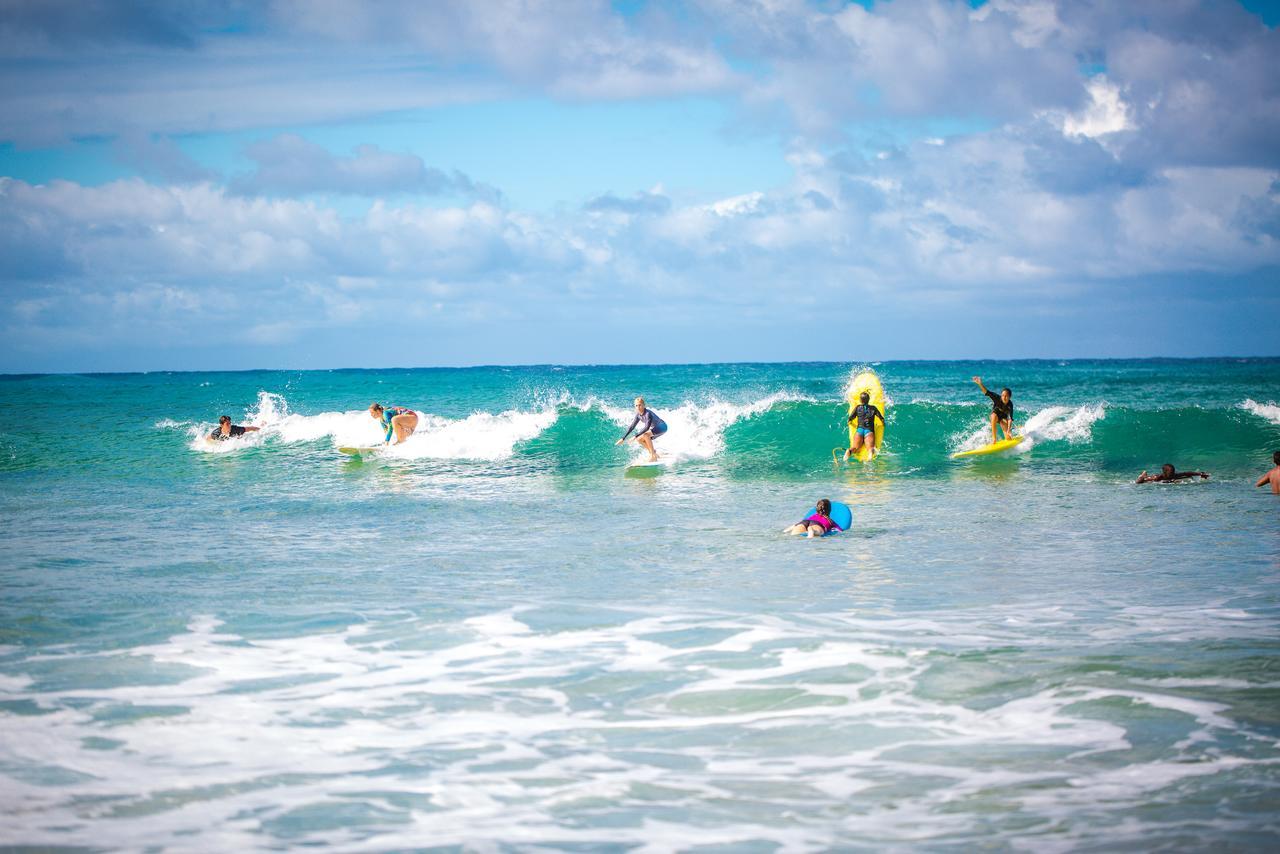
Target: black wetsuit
{"x":866,"y":415}
{"x":1003,"y":411}
{"x":218,"y":436}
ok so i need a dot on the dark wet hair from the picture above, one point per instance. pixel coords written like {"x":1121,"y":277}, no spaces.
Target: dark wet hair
{"x":864,"y":397}
{"x":224,"y":419}
{"x":824,"y":506}
{"x":1275,"y":458}
{"x":1007,"y":390}
{"x":1168,"y":466}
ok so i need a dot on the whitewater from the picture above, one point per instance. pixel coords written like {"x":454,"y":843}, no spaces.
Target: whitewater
{"x":495,"y":637}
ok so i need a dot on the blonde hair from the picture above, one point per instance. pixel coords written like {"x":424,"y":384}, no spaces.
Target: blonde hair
{"x":375,"y":407}
{"x":639,"y":401}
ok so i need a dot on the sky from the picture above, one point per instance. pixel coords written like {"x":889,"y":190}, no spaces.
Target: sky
{"x":226,"y":184}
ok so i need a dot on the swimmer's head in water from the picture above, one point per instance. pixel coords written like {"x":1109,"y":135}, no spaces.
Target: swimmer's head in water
{"x":639,"y":403}
{"x":1166,"y":469}
{"x":824,"y":507}
{"x":1275,"y":458}
{"x":225,"y":419}
{"x":864,"y":397}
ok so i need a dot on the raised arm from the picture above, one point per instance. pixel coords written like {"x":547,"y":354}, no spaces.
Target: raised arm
{"x":978,"y":380}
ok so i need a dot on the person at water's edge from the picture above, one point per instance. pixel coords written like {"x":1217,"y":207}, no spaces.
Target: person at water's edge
{"x":651,"y":427}
{"x":1168,"y":475}
{"x":1001,"y":410}
{"x":227,"y":430}
{"x":1272,"y":477}
{"x":865,"y":414}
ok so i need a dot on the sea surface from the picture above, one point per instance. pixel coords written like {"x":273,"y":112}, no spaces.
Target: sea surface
{"x":495,"y":637}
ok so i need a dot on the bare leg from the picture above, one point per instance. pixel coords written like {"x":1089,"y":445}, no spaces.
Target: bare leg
{"x":816,"y":531}
{"x":995,"y":437}
{"x":404,"y":425}
{"x":646,"y":441}
{"x":1007,"y":427}
{"x":798,"y":528}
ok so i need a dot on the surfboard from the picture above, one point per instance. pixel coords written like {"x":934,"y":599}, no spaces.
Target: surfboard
{"x":355,"y":452}
{"x":870,"y":383}
{"x":993,"y":448}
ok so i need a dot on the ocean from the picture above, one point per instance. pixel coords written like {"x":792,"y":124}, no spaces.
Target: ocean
{"x":495,"y":637}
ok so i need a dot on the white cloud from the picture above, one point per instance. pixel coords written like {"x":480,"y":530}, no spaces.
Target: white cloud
{"x":1107,"y":112}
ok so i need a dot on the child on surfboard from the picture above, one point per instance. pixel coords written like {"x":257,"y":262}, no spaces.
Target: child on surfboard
{"x":817,"y":524}
{"x":650,"y":428}
{"x":865,"y":413}
{"x":1001,"y":410}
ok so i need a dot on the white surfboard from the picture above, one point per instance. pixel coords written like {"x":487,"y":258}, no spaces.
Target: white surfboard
{"x":357,"y":452}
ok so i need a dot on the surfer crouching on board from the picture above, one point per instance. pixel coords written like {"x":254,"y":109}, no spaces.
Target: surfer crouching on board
{"x":1168,"y":475}
{"x":1001,"y":410}
{"x":817,"y":524}
{"x":227,"y":430}
{"x":865,"y":414}
{"x":1272,"y":477}
{"x":651,"y":427}
{"x":395,"y":420}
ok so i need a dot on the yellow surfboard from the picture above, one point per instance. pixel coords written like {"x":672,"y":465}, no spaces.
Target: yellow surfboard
{"x":870,"y":383}
{"x":993,"y":448}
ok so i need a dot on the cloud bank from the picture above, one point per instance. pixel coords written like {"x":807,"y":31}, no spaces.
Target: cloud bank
{"x":1071,"y":160}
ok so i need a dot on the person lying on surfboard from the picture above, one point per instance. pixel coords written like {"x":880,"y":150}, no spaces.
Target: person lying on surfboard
{"x":1168,"y":475}
{"x":227,"y":430}
{"x":816,"y":524}
{"x":651,"y":427}
{"x":865,"y":414}
{"x":395,"y":420}
{"x":1001,"y":410}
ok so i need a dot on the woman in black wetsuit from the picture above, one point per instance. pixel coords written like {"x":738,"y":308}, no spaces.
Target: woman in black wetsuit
{"x":1001,"y":410}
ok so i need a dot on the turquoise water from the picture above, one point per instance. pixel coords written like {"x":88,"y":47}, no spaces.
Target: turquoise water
{"x":492,"y":637}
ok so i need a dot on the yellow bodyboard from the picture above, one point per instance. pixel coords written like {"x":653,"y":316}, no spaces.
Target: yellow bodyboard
{"x":993,"y":448}
{"x":870,"y":383}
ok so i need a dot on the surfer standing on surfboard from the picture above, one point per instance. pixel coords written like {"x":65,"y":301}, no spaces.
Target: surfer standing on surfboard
{"x":1001,"y":410}
{"x":651,"y":427}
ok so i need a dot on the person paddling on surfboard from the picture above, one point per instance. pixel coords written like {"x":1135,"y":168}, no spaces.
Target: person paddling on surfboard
{"x":396,"y":421}
{"x":865,"y":413}
{"x":1001,"y":410}
{"x":1168,"y":475}
{"x":651,"y":427}
{"x":818,"y":523}
{"x":227,"y":430}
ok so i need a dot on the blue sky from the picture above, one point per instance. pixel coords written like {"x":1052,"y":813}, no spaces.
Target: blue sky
{"x":336,"y":183}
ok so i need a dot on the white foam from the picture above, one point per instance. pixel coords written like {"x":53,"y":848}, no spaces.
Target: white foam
{"x":510,"y":736}
{"x":1051,"y":424}
{"x":1269,"y":411}
{"x":696,"y":431}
